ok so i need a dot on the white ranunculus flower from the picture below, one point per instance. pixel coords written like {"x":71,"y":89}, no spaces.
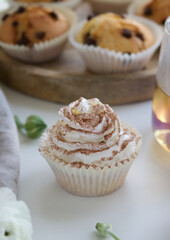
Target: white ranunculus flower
{"x":15,"y":219}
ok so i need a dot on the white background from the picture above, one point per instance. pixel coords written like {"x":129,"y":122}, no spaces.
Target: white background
{"x":139,"y":210}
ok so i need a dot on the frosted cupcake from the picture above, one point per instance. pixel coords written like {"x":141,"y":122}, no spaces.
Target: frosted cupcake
{"x":35,"y":33}
{"x":115,"y":43}
{"x":89,"y":150}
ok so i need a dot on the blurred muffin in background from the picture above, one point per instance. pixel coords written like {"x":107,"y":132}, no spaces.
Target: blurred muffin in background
{"x":156,"y":10}
{"x":114,"y":43}
{"x":30,"y":25}
{"x":117,"y":33}
{"x":35,"y":33}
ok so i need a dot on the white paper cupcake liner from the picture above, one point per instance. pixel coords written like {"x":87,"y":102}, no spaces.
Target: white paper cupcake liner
{"x":69,"y":4}
{"x":91,"y":182}
{"x":117,"y":6}
{"x":43,"y":51}
{"x":100,"y":60}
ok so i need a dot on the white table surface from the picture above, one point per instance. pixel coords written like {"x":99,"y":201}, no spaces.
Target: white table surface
{"x":139,"y":210}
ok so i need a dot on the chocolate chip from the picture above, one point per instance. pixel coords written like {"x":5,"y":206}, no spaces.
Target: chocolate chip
{"x":20,"y":10}
{"x":89,"y":17}
{"x":40,"y":35}
{"x":163,"y":21}
{"x":5,"y":17}
{"x":53,"y":15}
{"x":15,"y":23}
{"x":89,"y":40}
{"x":126,"y":33}
{"x":148,"y":11}
{"x":140,"y":36}
{"x":23,"y":40}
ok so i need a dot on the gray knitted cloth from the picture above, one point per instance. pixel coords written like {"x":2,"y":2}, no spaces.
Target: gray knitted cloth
{"x":9,"y":147}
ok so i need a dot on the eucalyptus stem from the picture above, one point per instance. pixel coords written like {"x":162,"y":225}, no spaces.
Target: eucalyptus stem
{"x":113,"y":235}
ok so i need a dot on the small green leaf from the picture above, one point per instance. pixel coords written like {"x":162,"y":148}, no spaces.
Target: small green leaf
{"x":105,"y":230}
{"x":36,"y":132}
{"x":34,"y":126}
{"x":34,"y":120}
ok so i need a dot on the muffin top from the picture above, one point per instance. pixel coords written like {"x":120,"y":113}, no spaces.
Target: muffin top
{"x":156,"y":10}
{"x":116,"y":32}
{"x":30,"y":25}
{"x":89,"y":133}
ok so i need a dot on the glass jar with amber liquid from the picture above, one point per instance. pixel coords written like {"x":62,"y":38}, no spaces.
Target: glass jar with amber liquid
{"x":161,"y":99}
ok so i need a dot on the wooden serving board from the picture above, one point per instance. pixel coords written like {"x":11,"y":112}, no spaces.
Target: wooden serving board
{"x":66,"y":79}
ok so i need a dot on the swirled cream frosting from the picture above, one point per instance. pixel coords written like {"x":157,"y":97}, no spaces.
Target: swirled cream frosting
{"x":90,"y":133}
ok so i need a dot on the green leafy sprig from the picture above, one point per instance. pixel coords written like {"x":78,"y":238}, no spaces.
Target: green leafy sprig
{"x":105,"y":230}
{"x":33,"y":127}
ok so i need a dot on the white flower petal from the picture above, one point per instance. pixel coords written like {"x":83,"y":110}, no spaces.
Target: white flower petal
{"x":15,"y":217}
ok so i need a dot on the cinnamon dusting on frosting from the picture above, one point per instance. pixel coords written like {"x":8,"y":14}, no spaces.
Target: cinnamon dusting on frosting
{"x":90,"y":134}
{"x":80,"y":164}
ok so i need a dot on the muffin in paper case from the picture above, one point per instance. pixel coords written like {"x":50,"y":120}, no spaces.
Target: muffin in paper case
{"x":102,"y":60}
{"x":157,"y":11}
{"x":43,"y":51}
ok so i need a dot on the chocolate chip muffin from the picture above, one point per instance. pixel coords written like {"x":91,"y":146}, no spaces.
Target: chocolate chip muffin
{"x":33,"y":24}
{"x":156,"y":10}
{"x":116,"y":32}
